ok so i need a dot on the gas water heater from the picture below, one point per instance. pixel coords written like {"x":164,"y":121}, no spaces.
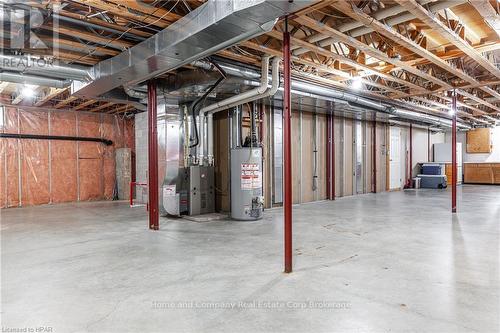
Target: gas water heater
{"x":247,"y":200}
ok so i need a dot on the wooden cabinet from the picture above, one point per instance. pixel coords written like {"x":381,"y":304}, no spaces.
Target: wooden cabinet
{"x":479,"y":141}
{"x":482,"y":173}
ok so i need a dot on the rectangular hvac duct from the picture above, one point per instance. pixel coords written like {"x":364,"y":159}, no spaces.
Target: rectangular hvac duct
{"x":212,"y":27}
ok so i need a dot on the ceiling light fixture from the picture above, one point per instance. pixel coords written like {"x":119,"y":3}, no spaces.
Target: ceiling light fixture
{"x":357,"y":84}
{"x":28,"y":91}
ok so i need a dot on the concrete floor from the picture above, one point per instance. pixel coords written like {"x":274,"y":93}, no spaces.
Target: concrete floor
{"x":396,"y":262}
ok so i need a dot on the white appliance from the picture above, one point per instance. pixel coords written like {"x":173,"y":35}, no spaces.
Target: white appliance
{"x":442,"y":154}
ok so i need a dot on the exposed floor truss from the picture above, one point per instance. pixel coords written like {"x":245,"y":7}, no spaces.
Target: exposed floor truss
{"x":406,"y":50}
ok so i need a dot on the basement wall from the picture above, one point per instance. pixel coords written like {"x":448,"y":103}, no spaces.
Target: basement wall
{"x":309,"y":144}
{"x":494,"y":156}
{"x":35,"y":172}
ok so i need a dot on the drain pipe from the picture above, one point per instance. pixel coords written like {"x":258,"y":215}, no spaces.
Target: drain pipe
{"x":248,"y":94}
{"x":224,"y":104}
{"x":275,"y":83}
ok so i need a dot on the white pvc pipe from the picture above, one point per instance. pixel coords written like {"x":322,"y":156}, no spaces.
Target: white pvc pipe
{"x":201,"y":133}
{"x":210,"y":138}
{"x":264,"y":78}
{"x":221,"y":105}
{"x":275,"y":83}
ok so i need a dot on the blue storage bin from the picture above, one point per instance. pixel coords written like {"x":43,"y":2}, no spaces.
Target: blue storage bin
{"x":432,"y":181}
{"x":432,"y":169}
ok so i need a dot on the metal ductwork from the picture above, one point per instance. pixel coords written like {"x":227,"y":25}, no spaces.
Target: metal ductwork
{"x":33,"y":79}
{"x":43,"y":67}
{"x":211,"y":27}
{"x":303,"y":88}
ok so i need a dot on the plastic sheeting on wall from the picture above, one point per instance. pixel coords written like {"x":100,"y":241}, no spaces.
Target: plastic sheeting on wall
{"x":34,"y":172}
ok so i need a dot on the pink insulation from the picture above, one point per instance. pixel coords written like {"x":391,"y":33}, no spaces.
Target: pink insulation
{"x":34,"y":172}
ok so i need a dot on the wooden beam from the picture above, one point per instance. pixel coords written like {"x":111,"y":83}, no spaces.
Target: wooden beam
{"x":3,"y":85}
{"x":90,"y":36}
{"x":469,"y":33}
{"x":80,"y":46}
{"x":152,"y":11}
{"x":477,"y":99}
{"x":437,"y":26}
{"x":407,"y":43}
{"x":319,"y":50}
{"x":65,"y":102}
{"x":459,"y":103}
{"x":122,"y":11}
{"x":52,"y":94}
{"x":18,"y":99}
{"x":488,"y":13}
{"x":322,"y":28}
{"x":121,"y":109}
{"x":103,"y":23}
{"x":102,"y":107}
{"x":84,"y":105}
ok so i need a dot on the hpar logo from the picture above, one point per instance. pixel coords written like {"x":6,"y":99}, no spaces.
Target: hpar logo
{"x":25,"y":28}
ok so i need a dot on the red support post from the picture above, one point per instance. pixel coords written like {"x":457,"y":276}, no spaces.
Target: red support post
{"x":374,"y":156}
{"x":410,"y":171}
{"x":429,"y":158}
{"x":153,"y":158}
{"x":330,"y":158}
{"x":287,"y":150}
{"x":454,"y":154}
{"x":131,"y":195}
{"x":333,"y":156}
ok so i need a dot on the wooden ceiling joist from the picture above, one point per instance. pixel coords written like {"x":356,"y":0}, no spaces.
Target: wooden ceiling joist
{"x":404,"y":41}
{"x":3,"y":85}
{"x":437,"y":26}
{"x":369,"y":50}
{"x":54,"y":92}
{"x":84,"y":105}
{"x":102,"y":107}
{"x":319,"y":50}
{"x":65,"y":102}
{"x":123,"y":11}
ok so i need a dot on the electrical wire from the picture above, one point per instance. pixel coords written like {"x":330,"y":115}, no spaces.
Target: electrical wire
{"x":130,"y":28}
{"x":194,"y":105}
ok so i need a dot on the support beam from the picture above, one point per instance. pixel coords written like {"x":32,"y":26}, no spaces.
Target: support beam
{"x":454,"y":154}
{"x":406,"y":42}
{"x":438,"y":27}
{"x":367,"y":49}
{"x":344,"y":60}
{"x":428,"y":144}
{"x":374,"y":154}
{"x":410,"y":171}
{"x":154,"y":215}
{"x":287,"y":150}
{"x":84,"y":105}
{"x":102,"y":107}
{"x":65,"y":102}
{"x":330,"y":156}
{"x":488,"y":13}
{"x":54,"y":92}
{"x":479,"y":100}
